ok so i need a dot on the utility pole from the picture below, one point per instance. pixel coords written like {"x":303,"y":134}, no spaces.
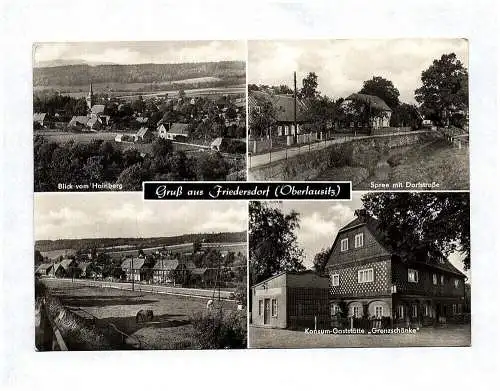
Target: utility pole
{"x":132,"y":272}
{"x":295,"y":103}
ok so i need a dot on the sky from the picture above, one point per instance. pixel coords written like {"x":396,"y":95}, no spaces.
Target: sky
{"x":320,"y":222}
{"x":123,"y":214}
{"x":159,"y":52}
{"x":343,"y":65}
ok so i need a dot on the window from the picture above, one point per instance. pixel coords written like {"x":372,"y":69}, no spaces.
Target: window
{"x":274,"y":307}
{"x":426,"y":309}
{"x":454,"y":307}
{"x":334,"y":309}
{"x":335,"y":280}
{"x":457,"y":282}
{"x":412,"y":275}
{"x":401,"y":311}
{"x":257,"y":109}
{"x":379,"y":311}
{"x":286,"y":130}
{"x":358,"y":240}
{"x":344,"y":244}
{"x":434,"y":278}
{"x":459,"y":308}
{"x":356,"y":312}
{"x":414,"y":310}
{"x":261,"y":306}
{"x":280,"y":130}
{"x":442,"y":280}
{"x":365,"y":275}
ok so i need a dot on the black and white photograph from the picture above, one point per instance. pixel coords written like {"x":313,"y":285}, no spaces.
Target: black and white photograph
{"x":387,"y":269}
{"x":387,"y":114}
{"x":115,"y":273}
{"x":109,"y":115}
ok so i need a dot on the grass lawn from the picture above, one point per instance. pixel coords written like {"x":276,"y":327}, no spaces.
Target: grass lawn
{"x":171,"y":326}
{"x":452,"y":335}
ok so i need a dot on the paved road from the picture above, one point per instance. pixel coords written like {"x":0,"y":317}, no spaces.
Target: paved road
{"x":266,"y":158}
{"x":160,"y":289}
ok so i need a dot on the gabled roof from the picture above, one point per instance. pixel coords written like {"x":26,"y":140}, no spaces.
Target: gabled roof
{"x":179,"y":128}
{"x":65,"y":263}
{"x":134,"y":263}
{"x":283,"y":104}
{"x":373,"y":227}
{"x":44,"y":267}
{"x":39,"y":117}
{"x":217,"y":142}
{"x":83,"y":266}
{"x":79,"y":119}
{"x":93,"y":120}
{"x":142,"y":132}
{"x":166,"y":264}
{"x":97,"y":109}
{"x":372,"y":100}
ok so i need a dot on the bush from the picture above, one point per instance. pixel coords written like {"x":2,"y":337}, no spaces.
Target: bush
{"x":218,"y":330}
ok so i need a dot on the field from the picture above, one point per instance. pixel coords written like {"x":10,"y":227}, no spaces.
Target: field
{"x":456,"y":335}
{"x":170,"y":328}
{"x":133,"y":90}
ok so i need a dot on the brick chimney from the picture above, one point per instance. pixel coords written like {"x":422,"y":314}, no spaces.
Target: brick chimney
{"x":361,"y":214}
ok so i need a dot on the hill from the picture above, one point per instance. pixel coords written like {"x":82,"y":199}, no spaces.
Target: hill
{"x":76,"y":244}
{"x":82,"y":74}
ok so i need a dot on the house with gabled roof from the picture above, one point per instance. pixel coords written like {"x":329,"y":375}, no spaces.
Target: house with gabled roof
{"x":370,"y":111}
{"x":45,"y":269}
{"x":39,"y":118}
{"x":284,"y":109}
{"x":143,"y":135}
{"x":169,"y":270}
{"x":133,"y":268}
{"x":370,"y":279}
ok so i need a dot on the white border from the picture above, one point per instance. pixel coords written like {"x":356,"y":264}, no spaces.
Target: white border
{"x":56,"y":20}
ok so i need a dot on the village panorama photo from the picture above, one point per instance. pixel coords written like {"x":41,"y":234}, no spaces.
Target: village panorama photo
{"x":110,"y":115}
{"x":115,"y":273}
{"x":385,"y":114}
{"x":387,"y":269}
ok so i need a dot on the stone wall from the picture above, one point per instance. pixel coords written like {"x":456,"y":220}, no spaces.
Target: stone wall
{"x":358,"y":157}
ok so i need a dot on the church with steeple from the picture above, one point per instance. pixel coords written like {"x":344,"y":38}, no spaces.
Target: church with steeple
{"x":95,"y":118}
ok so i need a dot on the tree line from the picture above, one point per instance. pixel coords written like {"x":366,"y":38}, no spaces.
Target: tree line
{"x":101,"y":243}
{"x":101,"y":162}
{"x":82,"y":74}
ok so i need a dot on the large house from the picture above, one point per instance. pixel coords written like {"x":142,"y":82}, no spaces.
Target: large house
{"x":291,"y":300}
{"x":367,"y":111}
{"x":168,"y":270}
{"x":284,"y":113}
{"x":370,"y":279}
{"x":173,"y":131}
{"x":133,"y":268}
{"x":66,"y":268}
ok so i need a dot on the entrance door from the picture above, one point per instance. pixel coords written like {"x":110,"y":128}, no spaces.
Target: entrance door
{"x":267,"y":310}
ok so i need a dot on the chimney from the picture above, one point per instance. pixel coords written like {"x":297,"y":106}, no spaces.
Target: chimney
{"x":361,"y":214}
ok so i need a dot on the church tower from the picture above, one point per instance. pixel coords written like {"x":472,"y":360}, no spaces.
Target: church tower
{"x":90,"y":99}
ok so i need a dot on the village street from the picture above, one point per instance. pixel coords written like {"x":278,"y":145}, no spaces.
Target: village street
{"x":274,"y":156}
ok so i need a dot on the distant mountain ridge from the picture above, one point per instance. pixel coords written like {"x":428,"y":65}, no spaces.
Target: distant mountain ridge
{"x":83,"y":74}
{"x":61,"y":244}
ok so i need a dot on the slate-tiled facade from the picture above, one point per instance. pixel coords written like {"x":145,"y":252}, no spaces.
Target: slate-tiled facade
{"x":437,"y":294}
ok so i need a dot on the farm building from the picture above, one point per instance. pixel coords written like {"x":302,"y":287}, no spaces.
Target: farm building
{"x":285,"y":113}
{"x":83,"y":270}
{"x":291,"y":300}
{"x":368,"y":278}
{"x":65,"y":268}
{"x":178,"y":131}
{"x":78,"y":121}
{"x":45,"y":269}
{"x":133,"y":268}
{"x":169,"y":270}
{"x":378,"y":113}
{"x":143,"y":135}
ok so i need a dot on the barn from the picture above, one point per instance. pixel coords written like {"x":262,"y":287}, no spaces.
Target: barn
{"x":291,"y":300}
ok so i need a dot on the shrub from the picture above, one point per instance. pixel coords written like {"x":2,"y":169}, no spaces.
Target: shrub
{"x":218,"y":330}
